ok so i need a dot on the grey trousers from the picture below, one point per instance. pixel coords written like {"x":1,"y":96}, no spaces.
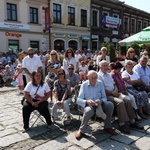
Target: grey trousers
{"x":65,"y":107}
{"x":107,"y":107}
{"x":125,"y":111}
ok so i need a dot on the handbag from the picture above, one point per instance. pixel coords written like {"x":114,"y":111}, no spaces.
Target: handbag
{"x":139,"y":87}
{"x":34,"y":100}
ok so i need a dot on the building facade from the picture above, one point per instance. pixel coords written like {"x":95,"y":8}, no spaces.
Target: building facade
{"x":22,"y":23}
{"x":113,"y":20}
{"x":70,"y":24}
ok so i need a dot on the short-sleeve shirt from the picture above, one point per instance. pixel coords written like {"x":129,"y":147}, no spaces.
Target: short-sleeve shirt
{"x":74,"y":78}
{"x":32,"y":89}
{"x":107,"y":80}
{"x":133,"y":76}
{"x":32,"y":64}
{"x":62,"y":88}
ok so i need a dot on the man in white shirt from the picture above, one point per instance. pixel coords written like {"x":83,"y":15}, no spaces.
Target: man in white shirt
{"x":143,"y":70}
{"x":31,"y":63}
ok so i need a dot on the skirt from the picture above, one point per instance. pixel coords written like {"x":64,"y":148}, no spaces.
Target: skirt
{"x":141,"y":97}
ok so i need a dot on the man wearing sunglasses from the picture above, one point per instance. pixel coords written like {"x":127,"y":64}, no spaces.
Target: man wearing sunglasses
{"x":73,"y":77}
{"x":31,"y":63}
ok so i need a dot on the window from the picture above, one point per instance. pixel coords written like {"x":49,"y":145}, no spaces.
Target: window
{"x":73,"y":45}
{"x":59,"y":45}
{"x":56,"y":13}
{"x":145,"y":24}
{"x":126,"y":24}
{"x":13,"y":45}
{"x":83,"y":18}
{"x":71,"y":16}
{"x":116,"y":15}
{"x":84,"y":44}
{"x":94,"y":45}
{"x":11,"y":12}
{"x":139,"y":26}
{"x":34,"y":45}
{"x":105,"y":13}
{"x":95,"y":17}
{"x":133,"y":25}
{"x":33,"y":15}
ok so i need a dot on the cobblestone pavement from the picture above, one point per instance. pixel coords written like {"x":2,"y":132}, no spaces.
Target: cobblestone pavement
{"x":60,"y":137}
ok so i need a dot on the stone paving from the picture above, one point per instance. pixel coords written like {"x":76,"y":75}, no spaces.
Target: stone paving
{"x":60,"y":137}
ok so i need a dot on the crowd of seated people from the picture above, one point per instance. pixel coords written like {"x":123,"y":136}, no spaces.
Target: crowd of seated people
{"x":105,"y":86}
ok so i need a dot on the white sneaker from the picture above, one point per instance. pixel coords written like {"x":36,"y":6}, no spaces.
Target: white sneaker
{"x":100,"y":113}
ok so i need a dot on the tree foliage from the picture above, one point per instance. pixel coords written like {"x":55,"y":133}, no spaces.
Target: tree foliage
{"x":110,"y":50}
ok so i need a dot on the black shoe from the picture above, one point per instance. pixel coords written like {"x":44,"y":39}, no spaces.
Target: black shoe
{"x":136,"y":126}
{"x":124,"y":129}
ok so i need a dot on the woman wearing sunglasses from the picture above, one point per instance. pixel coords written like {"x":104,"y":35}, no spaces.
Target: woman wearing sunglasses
{"x":52,"y":67}
{"x":62,"y":93}
{"x":131,"y":56}
{"x":69,"y":59}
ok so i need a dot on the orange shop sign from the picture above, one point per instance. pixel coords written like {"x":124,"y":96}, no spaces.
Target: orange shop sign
{"x":18,"y":35}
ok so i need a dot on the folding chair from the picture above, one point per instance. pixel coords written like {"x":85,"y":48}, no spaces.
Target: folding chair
{"x":35,"y":115}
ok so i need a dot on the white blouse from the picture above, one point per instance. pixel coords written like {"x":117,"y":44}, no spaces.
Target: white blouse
{"x":133,"y":76}
{"x":32,"y":89}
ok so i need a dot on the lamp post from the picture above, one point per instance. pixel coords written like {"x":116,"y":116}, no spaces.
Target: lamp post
{"x":49,"y":25}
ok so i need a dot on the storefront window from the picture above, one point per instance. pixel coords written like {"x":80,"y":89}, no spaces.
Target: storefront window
{"x":84,"y":44}
{"x":59,"y":45}
{"x":34,"y":45}
{"x":94,"y":45}
{"x":73,"y":45}
{"x":13,"y":45}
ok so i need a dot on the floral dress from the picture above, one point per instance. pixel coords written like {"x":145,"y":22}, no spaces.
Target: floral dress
{"x":62,"y":88}
{"x":51,"y":77}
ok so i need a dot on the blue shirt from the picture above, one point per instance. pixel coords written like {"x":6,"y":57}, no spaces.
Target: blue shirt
{"x":143,"y":72}
{"x":87,"y":92}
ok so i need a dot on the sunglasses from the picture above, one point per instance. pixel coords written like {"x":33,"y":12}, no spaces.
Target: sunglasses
{"x":60,"y":73}
{"x":130,"y":64}
{"x":69,"y":52}
{"x":53,"y":54}
{"x":30,"y":54}
{"x":71,"y":68}
{"x":131,"y":52}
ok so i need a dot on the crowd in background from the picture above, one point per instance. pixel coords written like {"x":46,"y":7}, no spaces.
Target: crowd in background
{"x":63,"y":70}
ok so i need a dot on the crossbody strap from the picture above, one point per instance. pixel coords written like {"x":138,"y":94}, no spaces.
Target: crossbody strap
{"x":37,"y":89}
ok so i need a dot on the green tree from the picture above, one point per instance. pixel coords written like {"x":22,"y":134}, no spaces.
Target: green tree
{"x":110,"y":50}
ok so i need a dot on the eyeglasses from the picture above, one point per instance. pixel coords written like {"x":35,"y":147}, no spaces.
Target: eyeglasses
{"x":71,"y":68}
{"x":53,"y":54}
{"x":69,"y":52}
{"x":60,"y":73}
{"x":30,"y":54}
{"x":131,"y":52}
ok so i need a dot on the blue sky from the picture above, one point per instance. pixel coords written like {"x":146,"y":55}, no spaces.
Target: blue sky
{"x":141,"y":4}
